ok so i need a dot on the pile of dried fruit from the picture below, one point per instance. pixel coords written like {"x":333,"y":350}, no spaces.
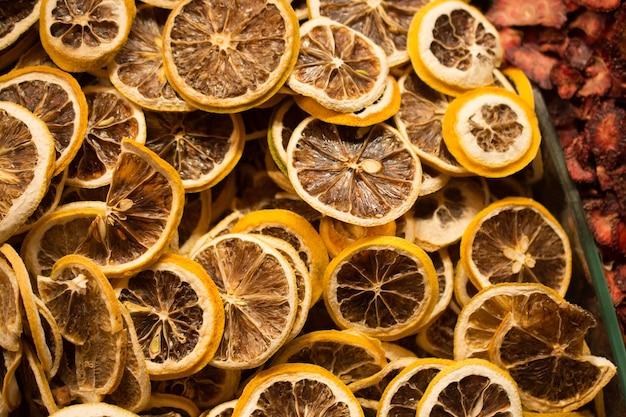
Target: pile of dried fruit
{"x":575,"y":51}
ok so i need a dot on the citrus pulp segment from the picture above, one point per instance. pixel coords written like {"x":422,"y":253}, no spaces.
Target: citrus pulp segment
{"x":453,"y":47}
{"x":112,"y":117}
{"x":26,"y":165}
{"x":474,"y":383}
{"x":227,"y":57}
{"x":384,"y":22}
{"x":491,"y":132}
{"x":137,"y":69}
{"x":56,"y":98}
{"x":338,"y":66}
{"x":84,"y":35}
{"x":365,"y":176}
{"x":516,"y":239}
{"x":259,"y":293}
{"x":203,"y":147}
{"x":17,"y":19}
{"x":348,"y":354}
{"x":384,"y":287}
{"x":289,"y":389}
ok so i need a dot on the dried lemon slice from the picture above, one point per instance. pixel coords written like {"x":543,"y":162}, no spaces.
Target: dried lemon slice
{"x":474,"y":383}
{"x":453,"y":47}
{"x":56,"y":98}
{"x":366,"y":176}
{"x":339,"y":67}
{"x":289,"y":388}
{"x":97,"y":409}
{"x":383,"y":287}
{"x":27,"y":162}
{"x":491,"y":131}
{"x":17,"y":19}
{"x":516,"y":239}
{"x":228,"y":57}
{"x":11,"y":325}
{"x":337,"y":234}
{"x":259,"y":292}
{"x":84,"y":35}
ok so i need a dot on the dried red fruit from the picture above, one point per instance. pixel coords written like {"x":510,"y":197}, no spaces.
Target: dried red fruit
{"x":578,"y":161}
{"x":566,"y":79}
{"x":599,"y":5}
{"x":577,"y":54}
{"x":591,"y":24}
{"x":598,"y":80}
{"x":603,"y":219}
{"x":613,"y":47}
{"x":615,"y":282}
{"x":536,"y":65}
{"x":606,"y":130}
{"x":551,"y":13}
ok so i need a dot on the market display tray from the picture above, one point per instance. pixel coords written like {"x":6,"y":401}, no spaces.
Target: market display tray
{"x":588,"y":287}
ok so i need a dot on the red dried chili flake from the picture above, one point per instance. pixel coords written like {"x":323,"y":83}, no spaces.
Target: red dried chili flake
{"x":552,"y":13}
{"x":606,"y":130}
{"x":566,"y":79}
{"x":590,"y":24}
{"x":535,"y":64}
{"x":599,"y":5}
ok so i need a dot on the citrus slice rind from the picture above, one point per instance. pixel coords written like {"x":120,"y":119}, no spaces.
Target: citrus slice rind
{"x":19,"y":18}
{"x":382,"y":286}
{"x":491,"y":131}
{"x":12,"y":324}
{"x":366,"y":176}
{"x":453,"y":47}
{"x":339,"y":67}
{"x":97,"y":409}
{"x":516,"y":239}
{"x":80,"y":39}
{"x":27,"y":160}
{"x":232,"y":57}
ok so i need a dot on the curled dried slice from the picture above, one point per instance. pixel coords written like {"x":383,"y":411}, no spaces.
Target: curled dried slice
{"x":17,"y":18}
{"x":84,"y":35}
{"x":11,"y":323}
{"x":97,"y":409}
{"x":229,"y":56}
{"x":337,"y":66}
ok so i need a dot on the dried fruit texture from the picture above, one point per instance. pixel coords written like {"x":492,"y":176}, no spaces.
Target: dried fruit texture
{"x":552,"y":13}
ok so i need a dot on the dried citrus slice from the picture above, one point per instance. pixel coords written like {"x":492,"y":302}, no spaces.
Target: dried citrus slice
{"x":12,"y":395}
{"x":453,"y":47}
{"x":440,"y":219}
{"x":384,"y":22}
{"x":294,"y":229}
{"x":372,"y":387}
{"x":224,"y":409}
{"x":228,"y":57}
{"x":383,"y":108}
{"x":170,"y":404}
{"x":203,"y":147}
{"x":112,"y":117}
{"x":84,"y":36}
{"x":516,"y":239}
{"x":384,"y":287}
{"x":348,"y":354}
{"x":48,"y":204}
{"x":55,"y":97}
{"x":420,"y":119}
{"x":492,"y":132}
{"x":284,"y":119}
{"x":34,"y":384}
{"x":464,"y":289}
{"x":17,"y":19}
{"x":543,"y":342}
{"x":521,"y":84}
{"x":289,"y":389}
{"x":26,"y":165}
{"x":10,"y":304}
{"x":137,"y":69}
{"x":177,"y":313}
{"x":337,"y":234}
{"x":471,"y":384}
{"x":437,"y":337}
{"x":13,"y":52}
{"x":196,"y":220}
{"x":403,"y":392}
{"x":131,"y":229}
{"x":259,"y":293}
{"x":445,"y":271}
{"x":480,"y":318}
{"x":366,"y":176}
{"x":339,"y":67}
{"x":98,"y":409}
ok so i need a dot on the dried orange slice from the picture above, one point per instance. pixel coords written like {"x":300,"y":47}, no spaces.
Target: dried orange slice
{"x":366,"y":176}
{"x":131,"y":229}
{"x":112,"y":117}
{"x":27,"y":162}
{"x":339,"y":67}
{"x":177,"y":313}
{"x":474,"y":383}
{"x":348,"y":354}
{"x":137,"y":70}
{"x":55,"y":97}
{"x":383,"y":287}
{"x":453,"y":47}
{"x":203,"y":147}
{"x":17,"y":19}
{"x":384,"y":22}
{"x":289,"y":388}
{"x":491,"y":131}
{"x":85,"y":35}
{"x":228,"y":57}
{"x":251,"y":275}
{"x":516,"y":239}
{"x":420,"y":119}
{"x":383,"y":108}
